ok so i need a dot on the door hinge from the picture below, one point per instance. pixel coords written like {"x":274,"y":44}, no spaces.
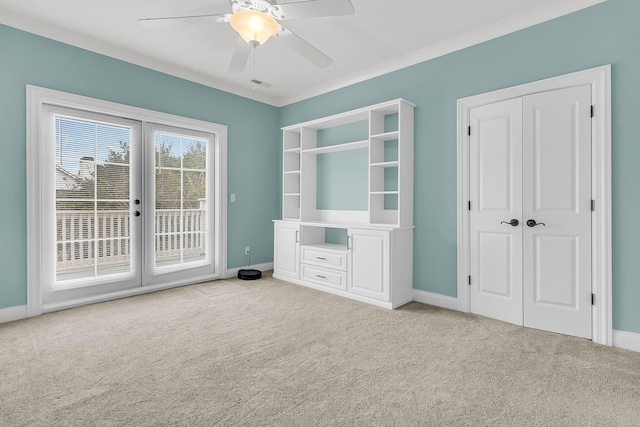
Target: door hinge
{"x":593,"y":299}
{"x":469,"y":205}
{"x":469,"y":280}
{"x":469,"y":130}
{"x":593,"y":111}
{"x":593,"y":205}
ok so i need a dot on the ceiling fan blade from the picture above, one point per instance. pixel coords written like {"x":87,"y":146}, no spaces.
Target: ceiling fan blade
{"x":296,"y":43}
{"x":181,"y":20}
{"x":316,"y":8}
{"x":240,"y":56}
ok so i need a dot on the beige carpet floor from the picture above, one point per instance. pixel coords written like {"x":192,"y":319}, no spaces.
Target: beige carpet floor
{"x":269,"y":353}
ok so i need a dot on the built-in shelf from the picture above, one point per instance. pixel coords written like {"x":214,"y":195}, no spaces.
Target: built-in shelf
{"x":327,"y":246}
{"x":387,"y":136}
{"x":385,"y":165}
{"x":362,"y":254}
{"x":386,"y":130}
{"x":337,"y":148}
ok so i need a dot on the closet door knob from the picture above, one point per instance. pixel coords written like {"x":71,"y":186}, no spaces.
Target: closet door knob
{"x":514,"y":222}
{"x":533,"y":223}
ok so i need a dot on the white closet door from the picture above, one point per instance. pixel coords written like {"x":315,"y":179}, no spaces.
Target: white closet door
{"x":557,"y":196}
{"x":496,"y":194}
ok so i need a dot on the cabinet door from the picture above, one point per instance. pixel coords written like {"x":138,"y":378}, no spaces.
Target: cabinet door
{"x":369,"y":263}
{"x":286,"y":258}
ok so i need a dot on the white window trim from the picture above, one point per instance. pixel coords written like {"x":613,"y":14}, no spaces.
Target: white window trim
{"x":37,"y":97}
{"x":600,"y":80}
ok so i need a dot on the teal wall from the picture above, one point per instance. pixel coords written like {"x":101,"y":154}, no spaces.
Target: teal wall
{"x":602,"y":34}
{"x":343,"y":177}
{"x":253,"y":139}
{"x":343,"y":180}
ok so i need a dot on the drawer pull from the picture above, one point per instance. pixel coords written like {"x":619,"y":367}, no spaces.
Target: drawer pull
{"x":321,"y":257}
{"x":322,"y":277}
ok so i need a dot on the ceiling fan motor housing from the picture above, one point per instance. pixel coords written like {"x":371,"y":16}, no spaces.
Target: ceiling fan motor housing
{"x":263,"y":6}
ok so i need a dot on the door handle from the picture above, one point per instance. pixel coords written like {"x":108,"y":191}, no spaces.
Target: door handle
{"x":136,"y":213}
{"x":533,"y":223}
{"x":514,"y":222}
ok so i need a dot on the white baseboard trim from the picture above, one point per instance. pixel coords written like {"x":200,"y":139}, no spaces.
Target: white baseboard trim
{"x":13,"y":313}
{"x":626,"y":340}
{"x":233,"y":272}
{"x":438,"y":300}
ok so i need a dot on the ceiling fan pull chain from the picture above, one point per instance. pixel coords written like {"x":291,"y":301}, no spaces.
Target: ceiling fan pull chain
{"x":253,"y":64}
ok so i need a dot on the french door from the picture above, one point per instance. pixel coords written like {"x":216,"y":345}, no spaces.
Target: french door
{"x":179,"y":186}
{"x":126,"y":204}
{"x":530,"y":215}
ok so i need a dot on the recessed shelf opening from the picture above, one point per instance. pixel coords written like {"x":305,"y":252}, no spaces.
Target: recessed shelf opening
{"x":325,"y":237}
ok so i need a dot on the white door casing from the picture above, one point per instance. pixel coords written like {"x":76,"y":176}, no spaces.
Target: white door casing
{"x":599,"y":80}
{"x":496,"y":200}
{"x":557,"y":193}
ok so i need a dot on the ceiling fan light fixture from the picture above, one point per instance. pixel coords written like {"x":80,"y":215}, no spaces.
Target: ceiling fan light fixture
{"x":253,"y":25}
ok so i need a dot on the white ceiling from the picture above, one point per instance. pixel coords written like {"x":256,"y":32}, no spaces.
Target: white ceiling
{"x":381,"y":36}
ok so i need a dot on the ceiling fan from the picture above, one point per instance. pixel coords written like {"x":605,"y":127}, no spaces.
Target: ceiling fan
{"x":256,"y":21}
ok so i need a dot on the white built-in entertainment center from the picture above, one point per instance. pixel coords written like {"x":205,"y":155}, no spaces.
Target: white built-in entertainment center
{"x":364,"y":253}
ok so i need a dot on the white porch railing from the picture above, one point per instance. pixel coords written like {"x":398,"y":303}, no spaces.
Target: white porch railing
{"x":81,"y":244}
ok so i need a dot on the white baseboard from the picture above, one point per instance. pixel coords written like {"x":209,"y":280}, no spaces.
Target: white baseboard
{"x":626,"y":340}
{"x":233,"y":272}
{"x":438,"y":300}
{"x":13,"y":313}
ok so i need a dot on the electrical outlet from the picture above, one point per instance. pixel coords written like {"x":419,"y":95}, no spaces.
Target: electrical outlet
{"x":247,"y":250}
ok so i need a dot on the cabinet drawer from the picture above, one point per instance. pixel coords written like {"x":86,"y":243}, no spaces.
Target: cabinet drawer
{"x":324,"y":258}
{"x":331,"y":278}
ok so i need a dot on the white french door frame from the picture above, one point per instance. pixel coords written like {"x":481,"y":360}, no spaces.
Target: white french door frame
{"x":600,"y":80}
{"x":151,"y":272}
{"x":37,"y":100}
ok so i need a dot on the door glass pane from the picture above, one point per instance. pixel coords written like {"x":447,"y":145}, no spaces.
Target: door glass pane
{"x":180,"y":199}
{"x":92,"y":198}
